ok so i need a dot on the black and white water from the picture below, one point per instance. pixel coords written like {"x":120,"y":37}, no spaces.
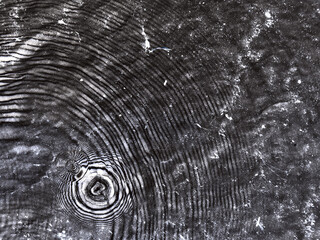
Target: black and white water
{"x":159,"y":119}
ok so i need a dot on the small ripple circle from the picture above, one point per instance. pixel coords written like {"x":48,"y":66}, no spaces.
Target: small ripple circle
{"x":95,"y":189}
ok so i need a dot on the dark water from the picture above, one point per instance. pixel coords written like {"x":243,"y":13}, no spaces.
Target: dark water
{"x":159,"y":119}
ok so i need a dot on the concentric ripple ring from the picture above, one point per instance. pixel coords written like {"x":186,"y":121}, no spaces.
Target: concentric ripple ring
{"x":98,"y":192}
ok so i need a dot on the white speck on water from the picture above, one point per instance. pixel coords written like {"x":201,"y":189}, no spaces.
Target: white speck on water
{"x":81,"y":80}
{"x":165,"y":82}
{"x":147,"y":45}
{"x":160,"y":48}
{"x":297,"y":101}
{"x":62,"y":22}
{"x":229,"y":117}
{"x":270,"y":20}
{"x":267,"y":14}
{"x":299,"y":81}
{"x":146,"y":40}
{"x":198,"y":125}
{"x":37,"y":165}
{"x":79,"y":37}
{"x":170,"y":222}
{"x":181,"y":237}
{"x":259,"y":223}
{"x":214,"y":155}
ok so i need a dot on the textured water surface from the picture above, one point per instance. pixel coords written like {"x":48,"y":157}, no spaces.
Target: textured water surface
{"x":159,"y":119}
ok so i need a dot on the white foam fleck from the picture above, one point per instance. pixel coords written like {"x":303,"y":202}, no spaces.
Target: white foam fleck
{"x":267,"y":14}
{"x":62,"y":22}
{"x":146,"y":40}
{"x":229,"y":117}
{"x":269,"y":19}
{"x":160,"y":48}
{"x":259,"y":223}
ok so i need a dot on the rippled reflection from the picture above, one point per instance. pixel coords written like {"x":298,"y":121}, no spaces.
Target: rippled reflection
{"x":164,"y":155}
{"x":93,"y":188}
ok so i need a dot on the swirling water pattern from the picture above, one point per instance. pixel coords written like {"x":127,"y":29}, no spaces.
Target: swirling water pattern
{"x":163,"y":158}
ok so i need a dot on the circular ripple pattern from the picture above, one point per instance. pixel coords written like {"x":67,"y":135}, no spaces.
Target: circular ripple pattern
{"x":94,"y":189}
{"x":175,"y":89}
{"x":122,"y":77}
